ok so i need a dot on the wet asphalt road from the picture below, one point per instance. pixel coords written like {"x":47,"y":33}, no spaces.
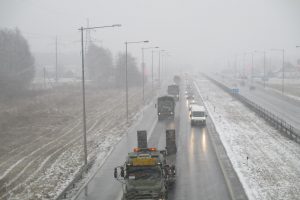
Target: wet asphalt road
{"x":199,"y":175}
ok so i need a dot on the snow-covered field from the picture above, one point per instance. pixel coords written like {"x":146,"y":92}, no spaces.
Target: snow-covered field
{"x":41,"y":137}
{"x":272,"y":170}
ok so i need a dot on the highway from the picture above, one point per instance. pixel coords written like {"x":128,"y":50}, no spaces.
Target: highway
{"x":199,"y":175}
{"x":284,"y":107}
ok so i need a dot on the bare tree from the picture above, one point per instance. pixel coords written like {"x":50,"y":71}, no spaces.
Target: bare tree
{"x":134,"y":75}
{"x":100,"y":65}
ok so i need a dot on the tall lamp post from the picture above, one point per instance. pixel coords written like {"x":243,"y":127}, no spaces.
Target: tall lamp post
{"x":283,"y":68}
{"x":126,"y":73}
{"x":83,"y":84}
{"x":143,"y":69}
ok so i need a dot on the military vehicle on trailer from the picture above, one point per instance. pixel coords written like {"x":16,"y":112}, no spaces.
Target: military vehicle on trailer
{"x":147,"y":172}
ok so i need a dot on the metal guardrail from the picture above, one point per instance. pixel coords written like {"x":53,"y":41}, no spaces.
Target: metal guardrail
{"x":280,"y":124}
{"x":72,"y":184}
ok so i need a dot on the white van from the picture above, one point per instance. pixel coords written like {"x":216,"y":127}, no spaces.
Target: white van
{"x":198,"y":115}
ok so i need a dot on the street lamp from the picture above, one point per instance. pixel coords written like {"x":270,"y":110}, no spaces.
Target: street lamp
{"x":143,"y":70}
{"x":282,"y":50}
{"x":83,"y":85}
{"x":264,"y":52}
{"x":126,"y":79}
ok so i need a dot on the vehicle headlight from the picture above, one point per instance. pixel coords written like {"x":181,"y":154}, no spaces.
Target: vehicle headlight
{"x":158,"y":113}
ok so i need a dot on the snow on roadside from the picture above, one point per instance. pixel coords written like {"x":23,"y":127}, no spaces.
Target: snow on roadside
{"x":272,"y":168}
{"x":56,"y":167}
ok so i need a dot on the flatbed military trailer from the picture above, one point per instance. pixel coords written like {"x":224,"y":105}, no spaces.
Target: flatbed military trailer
{"x":165,"y":107}
{"x":147,"y":172}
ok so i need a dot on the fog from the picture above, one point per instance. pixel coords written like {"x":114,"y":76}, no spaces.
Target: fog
{"x":204,"y":33}
{"x":62,"y":136}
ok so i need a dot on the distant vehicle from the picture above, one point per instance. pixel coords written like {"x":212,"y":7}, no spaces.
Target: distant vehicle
{"x":190,"y":96}
{"x":177,"y":79}
{"x":198,"y":115}
{"x":147,"y":172}
{"x":173,"y":90}
{"x":165,"y":107}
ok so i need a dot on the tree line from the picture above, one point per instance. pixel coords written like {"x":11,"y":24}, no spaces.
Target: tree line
{"x":17,"y":65}
{"x":16,"y":62}
{"x":104,"y":72}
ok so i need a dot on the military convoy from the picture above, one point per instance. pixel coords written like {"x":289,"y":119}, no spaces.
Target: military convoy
{"x":148,"y":173}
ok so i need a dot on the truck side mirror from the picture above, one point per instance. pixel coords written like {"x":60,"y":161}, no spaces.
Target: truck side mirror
{"x":122,"y":172}
{"x":116,"y":173}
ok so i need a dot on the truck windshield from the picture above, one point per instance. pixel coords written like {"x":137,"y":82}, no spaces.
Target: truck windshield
{"x":144,"y":173}
{"x":198,"y":114}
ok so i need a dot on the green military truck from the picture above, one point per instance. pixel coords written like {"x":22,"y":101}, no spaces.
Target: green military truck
{"x":147,"y":172}
{"x":165,"y":107}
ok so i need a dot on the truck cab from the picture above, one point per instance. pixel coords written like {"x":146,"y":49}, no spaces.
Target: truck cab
{"x":198,"y":115}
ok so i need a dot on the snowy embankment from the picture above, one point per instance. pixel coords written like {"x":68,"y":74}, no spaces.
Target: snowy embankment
{"x":266,"y":162}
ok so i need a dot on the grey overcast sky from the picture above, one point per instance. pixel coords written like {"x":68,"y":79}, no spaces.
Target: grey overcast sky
{"x":195,"y":32}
